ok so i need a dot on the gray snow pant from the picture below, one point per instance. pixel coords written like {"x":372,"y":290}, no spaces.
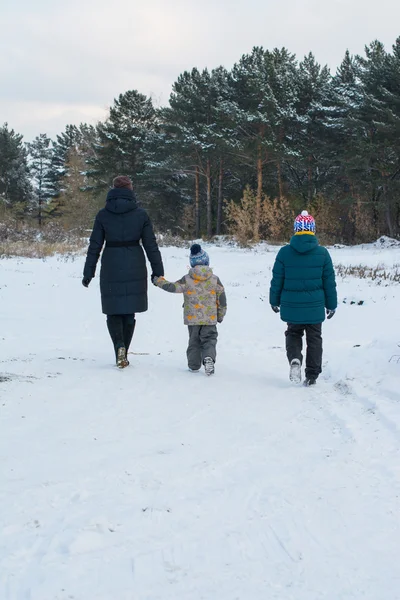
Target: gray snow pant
{"x":202,"y":343}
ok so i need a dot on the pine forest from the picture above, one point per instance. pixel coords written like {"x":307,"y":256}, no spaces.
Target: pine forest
{"x":236,"y":152}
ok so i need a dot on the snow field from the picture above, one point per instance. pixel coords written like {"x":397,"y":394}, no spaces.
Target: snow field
{"x":158,"y":484}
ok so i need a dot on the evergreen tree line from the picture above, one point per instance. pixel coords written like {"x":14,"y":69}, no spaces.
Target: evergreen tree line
{"x":237,"y":151}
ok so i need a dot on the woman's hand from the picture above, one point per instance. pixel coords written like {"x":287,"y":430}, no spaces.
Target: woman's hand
{"x":86,"y":281}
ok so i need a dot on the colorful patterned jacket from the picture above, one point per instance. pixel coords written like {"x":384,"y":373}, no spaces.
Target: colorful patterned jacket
{"x":205,"y":299}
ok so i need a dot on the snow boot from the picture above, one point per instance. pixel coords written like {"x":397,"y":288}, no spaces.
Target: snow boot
{"x":129,"y":329}
{"x":295,"y":371}
{"x":194,"y":370}
{"x":122,"y":361}
{"x":310,"y":381}
{"x":209,"y":366}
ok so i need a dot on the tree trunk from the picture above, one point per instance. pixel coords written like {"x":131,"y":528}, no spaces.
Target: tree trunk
{"x":220,"y":196}
{"x":388,"y":213}
{"x":375,"y":214}
{"x":209,"y":200}
{"x":257,"y":216}
{"x":40,"y":203}
{"x":389,"y":221}
{"x":310,"y":190}
{"x":279,"y":165}
{"x":280,"y":183}
{"x":197,"y":204}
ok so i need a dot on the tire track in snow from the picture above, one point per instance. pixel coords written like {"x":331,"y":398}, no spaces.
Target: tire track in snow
{"x":372,"y":408}
{"x":321,"y":399}
{"x":361,"y":415}
{"x":344,"y":390}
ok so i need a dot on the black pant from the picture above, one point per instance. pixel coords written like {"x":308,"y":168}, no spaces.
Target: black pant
{"x":294,"y":346}
{"x":121,"y":328}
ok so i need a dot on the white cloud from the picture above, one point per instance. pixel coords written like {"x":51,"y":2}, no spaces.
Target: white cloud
{"x":69,"y":60}
{"x":47,"y":117}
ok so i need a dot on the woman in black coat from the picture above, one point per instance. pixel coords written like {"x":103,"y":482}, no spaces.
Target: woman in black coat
{"x":123,"y":276}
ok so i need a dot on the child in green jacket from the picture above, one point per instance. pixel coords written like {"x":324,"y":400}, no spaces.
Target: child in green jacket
{"x":303,"y":286}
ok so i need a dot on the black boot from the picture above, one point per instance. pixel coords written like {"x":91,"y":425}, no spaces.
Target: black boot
{"x":129,"y":329}
{"x":115,"y":329}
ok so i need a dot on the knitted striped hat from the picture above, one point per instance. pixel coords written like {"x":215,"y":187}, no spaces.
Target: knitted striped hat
{"x":304,"y":223}
{"x":198,"y":256}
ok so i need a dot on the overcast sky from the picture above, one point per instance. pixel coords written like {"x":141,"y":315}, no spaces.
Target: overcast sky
{"x":64,"y":61}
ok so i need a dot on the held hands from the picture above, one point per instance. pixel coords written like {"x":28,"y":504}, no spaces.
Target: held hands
{"x":86,"y":281}
{"x":154,"y":279}
{"x":275,"y":308}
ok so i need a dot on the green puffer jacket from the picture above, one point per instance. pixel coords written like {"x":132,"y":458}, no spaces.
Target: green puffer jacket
{"x":303,"y":282}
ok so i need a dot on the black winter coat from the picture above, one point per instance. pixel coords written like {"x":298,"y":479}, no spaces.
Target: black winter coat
{"x":123,"y":275}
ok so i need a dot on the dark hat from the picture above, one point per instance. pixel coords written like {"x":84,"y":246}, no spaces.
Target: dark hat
{"x":123,"y":181}
{"x":198,"y":256}
{"x":195,"y":249}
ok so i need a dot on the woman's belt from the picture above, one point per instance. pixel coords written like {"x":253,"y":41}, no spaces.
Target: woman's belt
{"x":122,"y":244}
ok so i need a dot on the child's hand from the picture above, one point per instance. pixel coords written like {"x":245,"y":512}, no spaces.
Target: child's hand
{"x":220,"y":319}
{"x":156,"y":280}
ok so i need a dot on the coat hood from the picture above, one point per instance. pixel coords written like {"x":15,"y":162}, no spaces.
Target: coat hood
{"x":201,"y":273}
{"x":121,"y":200}
{"x":304,"y":243}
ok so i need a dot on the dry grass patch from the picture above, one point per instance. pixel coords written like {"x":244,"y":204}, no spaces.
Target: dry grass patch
{"x":379,"y":274}
{"x":40,"y":249}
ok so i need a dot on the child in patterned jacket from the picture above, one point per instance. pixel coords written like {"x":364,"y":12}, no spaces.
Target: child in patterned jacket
{"x":204,"y":307}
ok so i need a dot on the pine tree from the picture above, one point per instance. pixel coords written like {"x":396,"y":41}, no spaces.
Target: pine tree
{"x":224,"y":136}
{"x":66,"y":142}
{"x":346,"y":72}
{"x":313,"y":163}
{"x":252,"y":108}
{"x":121,"y":139}
{"x":378,"y":73}
{"x":348,"y":130}
{"x":264,"y":86}
{"x":76,"y":206}
{"x":282,"y":68}
{"x":15,"y":185}
{"x":189,"y":125}
{"x":392,"y":100}
{"x":164,"y":189}
{"x":41,"y":161}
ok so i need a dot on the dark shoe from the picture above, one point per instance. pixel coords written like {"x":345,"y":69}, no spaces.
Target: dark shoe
{"x":209,"y":366}
{"x":310,"y":381}
{"x":295,"y":371}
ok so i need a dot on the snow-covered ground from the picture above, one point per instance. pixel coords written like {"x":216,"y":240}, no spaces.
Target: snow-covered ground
{"x":157,"y":484}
